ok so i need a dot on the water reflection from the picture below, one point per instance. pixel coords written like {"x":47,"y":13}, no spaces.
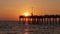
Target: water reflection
{"x":26,"y":32}
{"x":26,"y":25}
{"x":40,"y":25}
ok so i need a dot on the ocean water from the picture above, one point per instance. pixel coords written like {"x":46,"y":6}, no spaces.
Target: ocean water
{"x":15,"y":27}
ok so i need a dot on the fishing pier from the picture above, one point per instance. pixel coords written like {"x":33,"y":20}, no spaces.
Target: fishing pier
{"x":46,"y":19}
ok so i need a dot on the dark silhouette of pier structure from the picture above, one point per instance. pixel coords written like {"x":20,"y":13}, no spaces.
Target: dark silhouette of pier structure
{"x":41,"y":20}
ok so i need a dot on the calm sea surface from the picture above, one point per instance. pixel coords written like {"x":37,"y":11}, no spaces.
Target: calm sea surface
{"x":15,"y":27}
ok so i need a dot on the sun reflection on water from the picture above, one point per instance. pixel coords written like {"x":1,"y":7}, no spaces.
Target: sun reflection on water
{"x":26,"y":32}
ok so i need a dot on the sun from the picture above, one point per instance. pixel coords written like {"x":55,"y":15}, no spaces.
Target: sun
{"x":26,"y":14}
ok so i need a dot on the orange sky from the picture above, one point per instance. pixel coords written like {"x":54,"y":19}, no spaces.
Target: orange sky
{"x":11,"y":9}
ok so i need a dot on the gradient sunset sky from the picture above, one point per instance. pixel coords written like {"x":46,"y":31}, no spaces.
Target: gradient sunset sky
{"x":11,"y":9}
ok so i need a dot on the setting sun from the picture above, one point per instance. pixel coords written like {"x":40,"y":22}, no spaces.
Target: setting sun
{"x":26,"y":14}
